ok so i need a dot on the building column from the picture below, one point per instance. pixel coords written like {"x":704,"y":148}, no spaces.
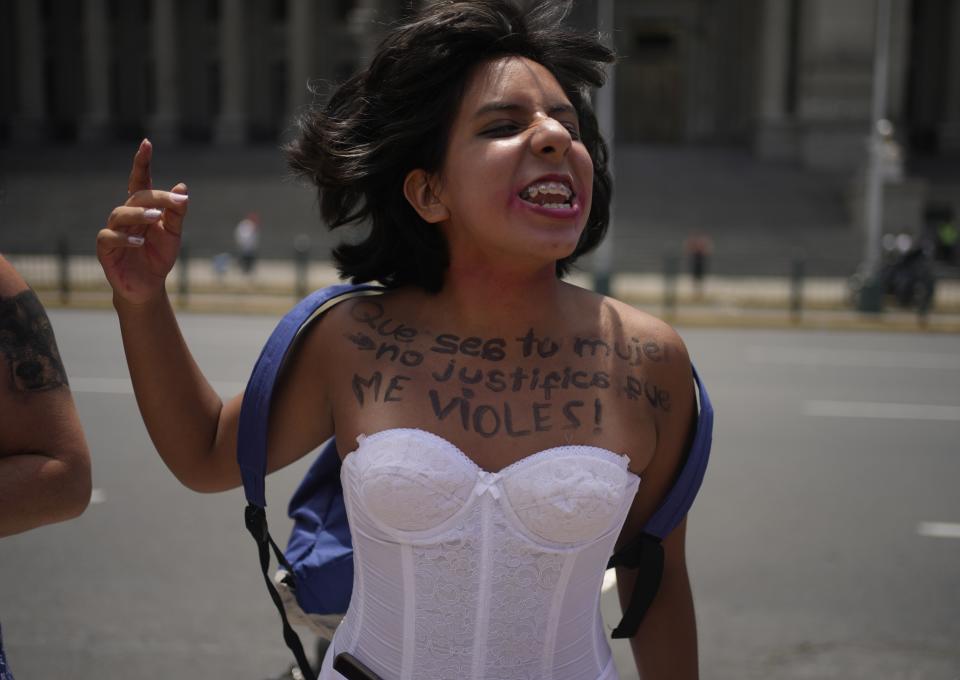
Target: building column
{"x":29,"y":125}
{"x":835,"y":82}
{"x":950,"y":127}
{"x":302,"y":29}
{"x":164,"y":122}
{"x":775,"y":136}
{"x":231,"y":127}
{"x":95,"y":124}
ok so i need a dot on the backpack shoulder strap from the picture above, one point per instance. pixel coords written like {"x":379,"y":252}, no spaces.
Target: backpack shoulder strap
{"x":676,"y":504}
{"x":255,"y":408}
{"x":645,"y":553}
{"x":252,"y":438}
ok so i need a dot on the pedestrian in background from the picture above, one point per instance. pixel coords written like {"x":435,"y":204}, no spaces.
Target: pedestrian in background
{"x":44,"y":461}
{"x":698,"y":247}
{"x":246,"y":235}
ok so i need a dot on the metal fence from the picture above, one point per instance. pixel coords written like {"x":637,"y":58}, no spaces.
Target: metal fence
{"x":219,"y":281}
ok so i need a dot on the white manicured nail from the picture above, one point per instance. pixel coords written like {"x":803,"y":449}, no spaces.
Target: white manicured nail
{"x":135,"y":240}
{"x":152,"y":214}
{"x":179,"y":198}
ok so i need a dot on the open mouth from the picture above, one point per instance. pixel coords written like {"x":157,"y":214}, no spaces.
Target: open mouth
{"x":552,"y":194}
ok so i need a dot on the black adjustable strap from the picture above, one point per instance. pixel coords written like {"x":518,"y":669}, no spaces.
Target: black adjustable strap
{"x":645,"y":554}
{"x":256,"y":520}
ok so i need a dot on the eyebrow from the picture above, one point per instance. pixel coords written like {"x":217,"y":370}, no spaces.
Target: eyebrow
{"x":513,"y":107}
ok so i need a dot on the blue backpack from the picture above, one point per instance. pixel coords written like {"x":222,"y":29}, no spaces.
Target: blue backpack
{"x":319,"y":553}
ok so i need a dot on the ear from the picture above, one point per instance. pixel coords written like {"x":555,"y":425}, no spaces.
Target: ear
{"x":420,"y":190}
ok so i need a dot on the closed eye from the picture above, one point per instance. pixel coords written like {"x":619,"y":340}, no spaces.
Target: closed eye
{"x":572,"y":129}
{"x":501,"y":130}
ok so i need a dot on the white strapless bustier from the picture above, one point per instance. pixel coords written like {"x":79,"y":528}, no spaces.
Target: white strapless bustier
{"x":466,"y":574}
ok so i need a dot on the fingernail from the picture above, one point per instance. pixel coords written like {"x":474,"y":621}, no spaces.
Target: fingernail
{"x":152,"y":214}
{"x":179,"y":198}
{"x":135,"y":240}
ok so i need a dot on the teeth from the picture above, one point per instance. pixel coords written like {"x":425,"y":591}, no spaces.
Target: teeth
{"x":547,"y":188}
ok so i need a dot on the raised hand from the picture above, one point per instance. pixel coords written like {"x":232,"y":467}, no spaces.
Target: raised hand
{"x":141,"y":241}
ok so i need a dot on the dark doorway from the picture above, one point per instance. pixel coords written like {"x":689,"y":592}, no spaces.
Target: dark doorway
{"x":650,"y":87}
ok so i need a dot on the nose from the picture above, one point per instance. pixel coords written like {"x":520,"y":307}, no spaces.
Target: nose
{"x":551,"y":139}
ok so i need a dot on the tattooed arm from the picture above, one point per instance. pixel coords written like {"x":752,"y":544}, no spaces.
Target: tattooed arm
{"x":44,"y":462}
{"x":665,"y":645}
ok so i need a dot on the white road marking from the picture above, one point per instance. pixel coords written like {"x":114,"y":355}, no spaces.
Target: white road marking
{"x":871,"y":409}
{"x":939,"y":529}
{"x":859,"y":358}
{"x":101,"y":385}
{"x":123,"y":386}
{"x":97,"y":496}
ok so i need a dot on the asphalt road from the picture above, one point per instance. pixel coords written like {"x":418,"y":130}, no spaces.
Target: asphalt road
{"x":820,"y":546}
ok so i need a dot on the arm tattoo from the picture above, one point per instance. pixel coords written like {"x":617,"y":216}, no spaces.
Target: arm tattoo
{"x":27,"y":343}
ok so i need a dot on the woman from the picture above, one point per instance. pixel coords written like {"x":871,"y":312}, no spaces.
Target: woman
{"x":494,"y":421}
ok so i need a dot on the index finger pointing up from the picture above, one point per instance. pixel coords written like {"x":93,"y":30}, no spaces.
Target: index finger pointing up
{"x":140,"y":172}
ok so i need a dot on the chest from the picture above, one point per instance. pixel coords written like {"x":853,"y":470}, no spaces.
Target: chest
{"x":498,"y":398}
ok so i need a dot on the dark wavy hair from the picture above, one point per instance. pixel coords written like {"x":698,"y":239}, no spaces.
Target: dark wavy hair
{"x":396,"y":116}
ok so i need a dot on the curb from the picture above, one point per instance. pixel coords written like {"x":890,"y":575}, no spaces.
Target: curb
{"x":692,"y":316}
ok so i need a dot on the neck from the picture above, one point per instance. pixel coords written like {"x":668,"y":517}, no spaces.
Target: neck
{"x":488,"y":300}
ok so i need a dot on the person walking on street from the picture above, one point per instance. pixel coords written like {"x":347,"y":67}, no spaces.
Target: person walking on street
{"x":246,"y":235}
{"x":698,"y":247}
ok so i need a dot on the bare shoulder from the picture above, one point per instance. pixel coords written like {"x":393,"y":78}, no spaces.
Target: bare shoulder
{"x":660,"y":345}
{"x":324,"y":347}
{"x":10,"y":280}
{"x":329,"y":337}
{"x":668,"y":360}
{"x":302,"y":413}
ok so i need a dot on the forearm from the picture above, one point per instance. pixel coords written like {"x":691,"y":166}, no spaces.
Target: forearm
{"x":38,"y":488}
{"x":665,"y":645}
{"x":179,"y":407}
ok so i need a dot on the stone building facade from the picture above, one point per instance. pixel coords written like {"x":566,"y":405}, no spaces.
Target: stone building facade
{"x":746,"y":117}
{"x":789,"y":78}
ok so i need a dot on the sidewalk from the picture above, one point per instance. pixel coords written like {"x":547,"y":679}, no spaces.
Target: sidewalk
{"x":727,"y":301}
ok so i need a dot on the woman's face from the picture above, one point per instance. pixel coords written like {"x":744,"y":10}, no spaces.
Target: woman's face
{"x":517,"y":181}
